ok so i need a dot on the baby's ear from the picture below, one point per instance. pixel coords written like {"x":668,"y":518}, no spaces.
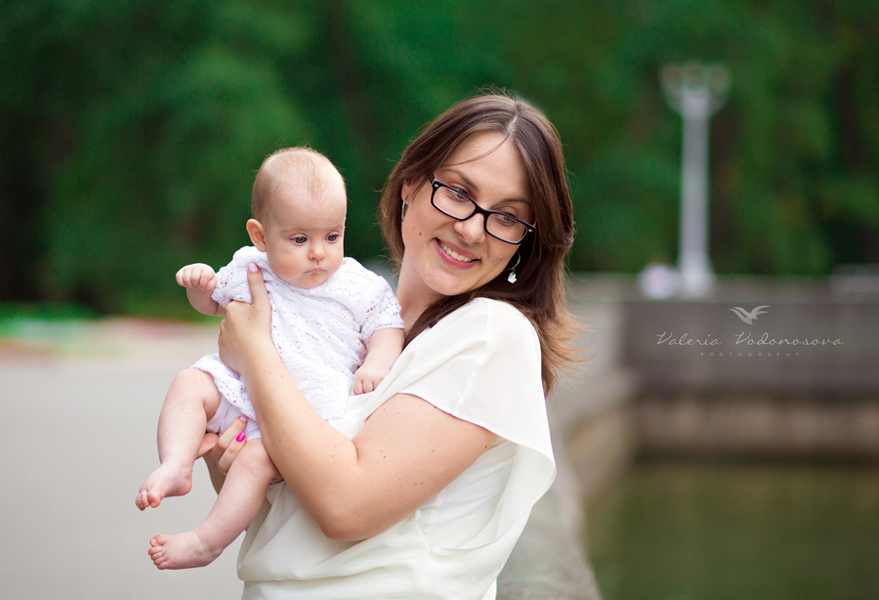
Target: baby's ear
{"x":257,"y":234}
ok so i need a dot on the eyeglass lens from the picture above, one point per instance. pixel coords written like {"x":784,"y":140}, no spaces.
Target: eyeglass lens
{"x":461,"y":207}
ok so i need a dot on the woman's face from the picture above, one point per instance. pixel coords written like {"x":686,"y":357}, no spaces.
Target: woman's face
{"x":443,"y":256}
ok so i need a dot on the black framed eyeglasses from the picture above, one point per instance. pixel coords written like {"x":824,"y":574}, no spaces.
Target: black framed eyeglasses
{"x":500,"y":225}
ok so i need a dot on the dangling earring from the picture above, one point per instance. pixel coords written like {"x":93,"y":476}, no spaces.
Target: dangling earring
{"x":512,"y":276}
{"x":403,"y":210}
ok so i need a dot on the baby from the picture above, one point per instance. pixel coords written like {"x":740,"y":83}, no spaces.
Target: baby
{"x":336,"y":325}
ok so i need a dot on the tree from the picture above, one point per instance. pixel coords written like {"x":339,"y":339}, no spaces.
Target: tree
{"x":133,"y":130}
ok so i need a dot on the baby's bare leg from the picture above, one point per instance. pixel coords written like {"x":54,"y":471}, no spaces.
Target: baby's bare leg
{"x":238,"y":503}
{"x":191,"y":401}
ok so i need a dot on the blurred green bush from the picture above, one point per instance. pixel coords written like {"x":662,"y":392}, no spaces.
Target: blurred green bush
{"x":131,"y":131}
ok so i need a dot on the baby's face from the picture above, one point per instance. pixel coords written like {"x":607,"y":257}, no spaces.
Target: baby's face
{"x":304,"y":235}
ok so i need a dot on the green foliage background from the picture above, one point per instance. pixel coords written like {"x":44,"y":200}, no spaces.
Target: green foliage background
{"x":131,"y":130}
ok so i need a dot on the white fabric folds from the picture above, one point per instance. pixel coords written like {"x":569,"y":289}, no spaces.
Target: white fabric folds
{"x":481,"y":364}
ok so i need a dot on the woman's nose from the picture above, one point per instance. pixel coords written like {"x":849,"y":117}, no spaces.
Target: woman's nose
{"x":473,"y":229}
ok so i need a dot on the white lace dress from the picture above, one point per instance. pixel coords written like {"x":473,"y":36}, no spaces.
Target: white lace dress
{"x":320,"y":333}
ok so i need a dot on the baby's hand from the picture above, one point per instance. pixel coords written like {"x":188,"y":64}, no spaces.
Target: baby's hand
{"x":368,"y":376}
{"x":384,"y":346}
{"x":197,"y":276}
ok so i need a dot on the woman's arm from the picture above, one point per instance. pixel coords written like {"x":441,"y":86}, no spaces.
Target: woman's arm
{"x":406,"y":453}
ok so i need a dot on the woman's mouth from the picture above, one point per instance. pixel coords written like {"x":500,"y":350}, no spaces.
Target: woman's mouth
{"x":454,"y":254}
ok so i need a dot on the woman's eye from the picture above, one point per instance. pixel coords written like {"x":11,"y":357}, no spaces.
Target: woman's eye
{"x":455,"y":195}
{"x":505,"y":219}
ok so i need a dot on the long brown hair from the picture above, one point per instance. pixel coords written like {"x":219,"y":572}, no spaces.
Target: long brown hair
{"x":539,"y":290}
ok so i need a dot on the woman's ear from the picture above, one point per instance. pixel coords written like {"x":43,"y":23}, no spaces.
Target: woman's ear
{"x":408,"y":191}
{"x":257,"y":234}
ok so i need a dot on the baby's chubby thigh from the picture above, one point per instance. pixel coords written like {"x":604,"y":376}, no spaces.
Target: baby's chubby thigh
{"x":253,"y":459}
{"x":225,"y":414}
{"x":253,"y":462}
{"x":192,"y":387}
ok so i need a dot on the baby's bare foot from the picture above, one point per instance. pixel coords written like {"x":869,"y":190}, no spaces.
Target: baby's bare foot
{"x":182,"y":551}
{"x":168,"y":480}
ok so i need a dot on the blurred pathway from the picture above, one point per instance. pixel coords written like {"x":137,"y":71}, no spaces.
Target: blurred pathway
{"x":82,"y":403}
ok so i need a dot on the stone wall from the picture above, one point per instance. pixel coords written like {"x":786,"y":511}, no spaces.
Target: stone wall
{"x":767,"y":367}
{"x":550,"y":561}
{"x":802,"y":339}
{"x":693,"y":378}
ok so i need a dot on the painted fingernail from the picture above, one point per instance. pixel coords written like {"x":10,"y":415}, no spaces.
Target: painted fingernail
{"x":240,"y":437}
{"x":252,"y":267}
{"x":243,"y":418}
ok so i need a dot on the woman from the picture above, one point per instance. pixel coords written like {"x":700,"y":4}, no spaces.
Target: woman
{"x":422,"y":488}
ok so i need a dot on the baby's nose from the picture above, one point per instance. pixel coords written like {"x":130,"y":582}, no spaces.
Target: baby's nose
{"x":317,"y":251}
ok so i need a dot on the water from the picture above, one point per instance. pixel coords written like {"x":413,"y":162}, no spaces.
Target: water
{"x":718,"y":531}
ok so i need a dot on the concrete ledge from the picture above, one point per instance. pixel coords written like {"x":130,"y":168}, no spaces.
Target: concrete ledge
{"x":756,"y":426}
{"x":547,"y":563}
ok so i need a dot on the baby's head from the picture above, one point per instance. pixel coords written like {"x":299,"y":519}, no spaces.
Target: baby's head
{"x":299,"y":207}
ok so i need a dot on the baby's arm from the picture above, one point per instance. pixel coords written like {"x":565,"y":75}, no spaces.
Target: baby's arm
{"x":383,"y":348}
{"x":200,"y":281}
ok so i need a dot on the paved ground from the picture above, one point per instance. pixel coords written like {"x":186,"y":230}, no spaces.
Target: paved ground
{"x":81,"y":405}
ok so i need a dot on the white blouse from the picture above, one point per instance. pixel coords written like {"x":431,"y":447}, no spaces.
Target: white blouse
{"x":481,"y":364}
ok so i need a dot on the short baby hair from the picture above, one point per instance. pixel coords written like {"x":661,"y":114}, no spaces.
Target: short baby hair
{"x":291,"y":166}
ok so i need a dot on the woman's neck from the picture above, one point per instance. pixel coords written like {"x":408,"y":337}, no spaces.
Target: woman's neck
{"x":411,"y":307}
{"x":413,"y":299}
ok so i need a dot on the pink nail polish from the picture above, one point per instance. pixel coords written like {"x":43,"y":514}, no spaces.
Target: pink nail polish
{"x":243,"y":418}
{"x":240,"y":437}
{"x":252,"y":267}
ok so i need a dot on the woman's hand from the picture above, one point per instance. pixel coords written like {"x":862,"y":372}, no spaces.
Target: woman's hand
{"x":246,"y":329}
{"x":220,"y":451}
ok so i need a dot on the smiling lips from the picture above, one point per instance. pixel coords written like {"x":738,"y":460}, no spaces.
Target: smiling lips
{"x":453,"y":254}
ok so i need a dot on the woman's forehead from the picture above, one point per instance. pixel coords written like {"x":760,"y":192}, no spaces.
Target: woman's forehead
{"x":490,"y":160}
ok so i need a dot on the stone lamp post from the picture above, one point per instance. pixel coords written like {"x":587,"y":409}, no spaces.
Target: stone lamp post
{"x":695,"y":91}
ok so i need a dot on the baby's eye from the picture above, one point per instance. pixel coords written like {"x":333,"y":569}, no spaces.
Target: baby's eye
{"x":334,"y":237}
{"x":299,"y":239}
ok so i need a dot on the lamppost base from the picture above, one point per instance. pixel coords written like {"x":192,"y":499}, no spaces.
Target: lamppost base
{"x":696,"y":285}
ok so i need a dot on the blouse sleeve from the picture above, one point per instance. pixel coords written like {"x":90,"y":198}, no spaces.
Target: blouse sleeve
{"x":482,"y":364}
{"x":484,"y":367}
{"x":384,"y":312}
{"x":232,"y":283}
{"x":376,"y":306}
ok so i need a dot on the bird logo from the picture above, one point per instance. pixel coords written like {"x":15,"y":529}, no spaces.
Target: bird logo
{"x":749,"y":317}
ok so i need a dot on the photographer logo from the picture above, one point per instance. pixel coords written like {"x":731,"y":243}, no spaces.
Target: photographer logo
{"x":749,"y":317}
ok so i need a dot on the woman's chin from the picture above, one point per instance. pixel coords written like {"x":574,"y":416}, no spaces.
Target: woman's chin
{"x":452,"y":284}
